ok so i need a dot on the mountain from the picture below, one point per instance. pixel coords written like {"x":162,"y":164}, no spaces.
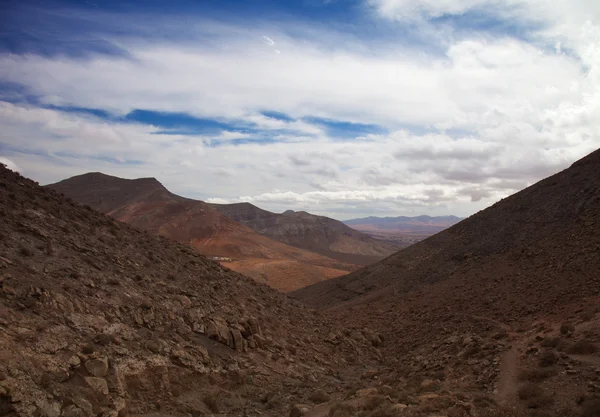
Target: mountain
{"x":402,"y":231}
{"x":101,"y":319}
{"x":507,"y":298}
{"x":146,"y":204}
{"x":319,"y":234}
{"x":417,"y":224}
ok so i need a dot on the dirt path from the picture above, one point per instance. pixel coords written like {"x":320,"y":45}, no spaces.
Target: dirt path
{"x":506,"y":389}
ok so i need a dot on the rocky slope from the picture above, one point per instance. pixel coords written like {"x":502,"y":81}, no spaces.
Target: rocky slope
{"x":505,"y":302}
{"x":100,"y":319}
{"x":319,"y":234}
{"x":146,"y":204}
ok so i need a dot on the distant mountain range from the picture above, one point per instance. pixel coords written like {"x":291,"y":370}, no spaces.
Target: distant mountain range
{"x":318,"y":234}
{"x":287,"y":251}
{"x":414,"y":225}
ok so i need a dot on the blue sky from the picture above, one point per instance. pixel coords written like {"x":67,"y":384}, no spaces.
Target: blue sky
{"x":338,"y":107}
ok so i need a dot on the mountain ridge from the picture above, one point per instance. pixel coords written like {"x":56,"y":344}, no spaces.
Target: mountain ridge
{"x":320,"y":234}
{"x":145,"y":203}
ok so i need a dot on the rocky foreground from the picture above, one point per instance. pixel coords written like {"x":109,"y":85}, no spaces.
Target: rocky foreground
{"x":100,"y":319}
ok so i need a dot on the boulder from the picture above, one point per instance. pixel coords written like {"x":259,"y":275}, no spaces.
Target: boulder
{"x":299,"y":410}
{"x":99,"y":385}
{"x":429,"y":385}
{"x":238,"y":343}
{"x":97,"y":367}
{"x":366,"y":392}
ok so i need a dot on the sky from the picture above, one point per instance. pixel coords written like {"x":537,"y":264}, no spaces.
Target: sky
{"x":345,"y":108}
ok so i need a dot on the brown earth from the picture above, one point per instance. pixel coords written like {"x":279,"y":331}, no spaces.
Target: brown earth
{"x":100,"y":319}
{"x":318,"y":234}
{"x":144,"y":203}
{"x":502,"y":303}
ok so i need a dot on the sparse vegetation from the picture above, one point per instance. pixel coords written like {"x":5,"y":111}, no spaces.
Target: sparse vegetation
{"x":566,"y":328}
{"x":319,"y":397}
{"x":537,"y":374}
{"x":548,"y":358}
{"x":591,"y":408}
{"x":25,"y":251}
{"x":582,"y":347}
{"x":212,"y":401}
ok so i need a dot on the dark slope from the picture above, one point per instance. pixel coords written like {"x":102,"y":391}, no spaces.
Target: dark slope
{"x":539,"y":246}
{"x":319,"y":234}
{"x":504,"y":303}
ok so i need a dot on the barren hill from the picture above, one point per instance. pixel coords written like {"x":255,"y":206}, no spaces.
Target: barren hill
{"x":520,"y":278}
{"x":100,"y":319}
{"x":146,"y":204}
{"x":319,"y":234}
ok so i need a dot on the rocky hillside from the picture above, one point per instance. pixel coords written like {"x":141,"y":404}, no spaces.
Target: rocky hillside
{"x":100,"y":319}
{"x":319,"y":234}
{"x":506,"y":299}
{"x":144,"y":203}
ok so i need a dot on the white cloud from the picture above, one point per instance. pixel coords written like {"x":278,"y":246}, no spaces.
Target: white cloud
{"x":487,"y":117}
{"x":9,"y":164}
{"x":268,"y":40}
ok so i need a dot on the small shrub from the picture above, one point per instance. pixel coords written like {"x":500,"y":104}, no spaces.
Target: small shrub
{"x":583,"y":347}
{"x":537,"y":375}
{"x":212,"y":402}
{"x":25,"y":251}
{"x":591,"y":408}
{"x":566,"y":328}
{"x":587,"y":316}
{"x":373,"y":402}
{"x":319,"y":397}
{"x":548,"y":358}
{"x":113,"y":281}
{"x":529,"y":391}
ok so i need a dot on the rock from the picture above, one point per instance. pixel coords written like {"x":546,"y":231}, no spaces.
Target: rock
{"x":254,"y":326}
{"x":99,"y":385}
{"x":97,"y":367}
{"x":299,"y":410}
{"x":238,"y":344}
{"x":84,"y":405}
{"x":73,"y":411}
{"x":366,"y":392}
{"x":426,"y":397}
{"x":399,"y":407}
{"x":429,"y":385}
{"x":74,"y":361}
{"x":50,"y":409}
